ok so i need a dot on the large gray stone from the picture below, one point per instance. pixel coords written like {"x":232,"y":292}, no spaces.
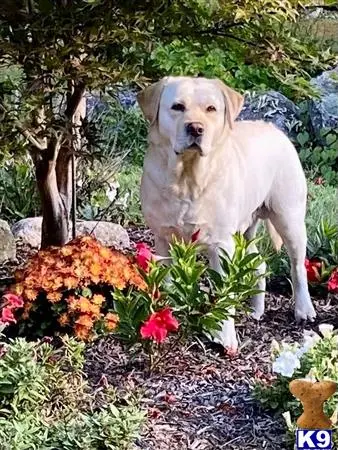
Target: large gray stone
{"x":272,"y":106}
{"x":28,"y":231}
{"x":109,"y":234}
{"x":7,"y":243}
{"x":323,"y":111}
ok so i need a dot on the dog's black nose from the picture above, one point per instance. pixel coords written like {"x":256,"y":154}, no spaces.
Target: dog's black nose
{"x":195,"y":129}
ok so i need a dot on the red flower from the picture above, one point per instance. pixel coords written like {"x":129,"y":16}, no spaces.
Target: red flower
{"x":7,"y":316}
{"x":143,"y":256}
{"x":195,"y":236}
{"x":13,"y":300}
{"x":313,"y":267}
{"x":158,"y":325}
{"x":333,"y":281}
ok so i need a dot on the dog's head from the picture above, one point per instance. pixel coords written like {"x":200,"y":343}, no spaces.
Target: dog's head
{"x":191,"y":114}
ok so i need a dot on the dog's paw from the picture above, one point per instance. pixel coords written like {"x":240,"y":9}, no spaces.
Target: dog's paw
{"x":258,"y":306}
{"x":226,"y":337}
{"x":305,"y":312}
{"x":256,"y":315}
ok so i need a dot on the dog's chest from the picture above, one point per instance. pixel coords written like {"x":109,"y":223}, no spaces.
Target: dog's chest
{"x":185,"y":217}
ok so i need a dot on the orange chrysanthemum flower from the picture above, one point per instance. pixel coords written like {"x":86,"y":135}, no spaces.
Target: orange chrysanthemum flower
{"x":111,"y":321}
{"x":64,"y":319}
{"x":98,"y":299}
{"x":54,"y":297}
{"x":59,"y":274}
{"x":85,"y":320}
{"x":82,"y":332}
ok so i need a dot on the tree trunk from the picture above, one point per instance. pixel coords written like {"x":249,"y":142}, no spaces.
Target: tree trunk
{"x":55,"y":221}
{"x":54,"y":174}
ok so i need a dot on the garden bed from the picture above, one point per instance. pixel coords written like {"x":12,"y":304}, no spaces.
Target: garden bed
{"x":198,"y":397}
{"x":201,"y":399}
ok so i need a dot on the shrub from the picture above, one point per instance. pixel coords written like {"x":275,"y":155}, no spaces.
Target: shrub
{"x":46,"y":403}
{"x":70,"y":287}
{"x":18,"y":195}
{"x":320,"y":157}
{"x":322,"y":265}
{"x":316,"y":359}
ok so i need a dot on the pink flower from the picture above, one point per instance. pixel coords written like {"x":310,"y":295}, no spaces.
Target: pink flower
{"x":7,"y":316}
{"x":333,"y":281}
{"x":14,"y":301}
{"x":158,"y":325}
{"x":143,"y":256}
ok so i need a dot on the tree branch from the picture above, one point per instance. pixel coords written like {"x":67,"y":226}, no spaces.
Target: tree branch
{"x":74,"y":100}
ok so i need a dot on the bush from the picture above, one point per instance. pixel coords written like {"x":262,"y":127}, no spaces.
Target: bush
{"x":46,"y":403}
{"x":320,"y":158}
{"x":18,"y":194}
{"x":316,"y":359}
{"x":120,"y":128}
{"x":70,"y":288}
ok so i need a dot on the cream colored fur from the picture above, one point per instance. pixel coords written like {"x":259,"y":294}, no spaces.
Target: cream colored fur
{"x":222,"y":181}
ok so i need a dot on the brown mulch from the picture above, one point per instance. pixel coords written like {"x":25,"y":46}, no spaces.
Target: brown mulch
{"x":198,"y":398}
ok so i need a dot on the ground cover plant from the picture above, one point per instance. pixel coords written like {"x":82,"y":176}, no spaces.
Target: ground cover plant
{"x":46,"y":402}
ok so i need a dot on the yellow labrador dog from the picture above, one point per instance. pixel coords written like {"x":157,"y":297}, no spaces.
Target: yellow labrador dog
{"x":204,"y":171}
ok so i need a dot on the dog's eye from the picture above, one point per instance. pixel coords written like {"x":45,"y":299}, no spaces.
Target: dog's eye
{"x":178,"y":107}
{"x":211,"y":108}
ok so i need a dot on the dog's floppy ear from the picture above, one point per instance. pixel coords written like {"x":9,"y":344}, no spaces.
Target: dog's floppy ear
{"x":149,"y":99}
{"x":233,"y":103}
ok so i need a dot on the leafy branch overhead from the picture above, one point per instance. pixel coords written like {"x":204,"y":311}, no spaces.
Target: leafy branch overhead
{"x":98,"y":43}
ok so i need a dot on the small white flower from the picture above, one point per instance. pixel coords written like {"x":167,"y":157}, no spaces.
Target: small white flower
{"x":111,"y":191}
{"x":286,"y":364}
{"x":310,"y":340}
{"x":326,"y":329}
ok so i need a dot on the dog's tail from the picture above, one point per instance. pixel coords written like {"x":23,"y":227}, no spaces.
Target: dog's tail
{"x":277,"y":241}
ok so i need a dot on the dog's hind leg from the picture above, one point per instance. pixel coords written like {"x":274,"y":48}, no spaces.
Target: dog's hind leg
{"x":290,"y":225}
{"x":258,"y":301}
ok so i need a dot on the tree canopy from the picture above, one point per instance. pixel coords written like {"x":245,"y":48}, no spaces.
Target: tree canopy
{"x":53,"y":51}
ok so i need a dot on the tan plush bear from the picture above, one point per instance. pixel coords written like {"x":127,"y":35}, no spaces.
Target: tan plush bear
{"x":313,"y":395}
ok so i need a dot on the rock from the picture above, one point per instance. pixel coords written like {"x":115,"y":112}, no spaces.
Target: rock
{"x":109,"y":234}
{"x":7,"y":243}
{"x":323,"y":111}
{"x":28,"y":231}
{"x":274,"y":107}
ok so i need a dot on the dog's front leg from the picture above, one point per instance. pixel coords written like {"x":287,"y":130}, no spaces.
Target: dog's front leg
{"x":227,"y":335}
